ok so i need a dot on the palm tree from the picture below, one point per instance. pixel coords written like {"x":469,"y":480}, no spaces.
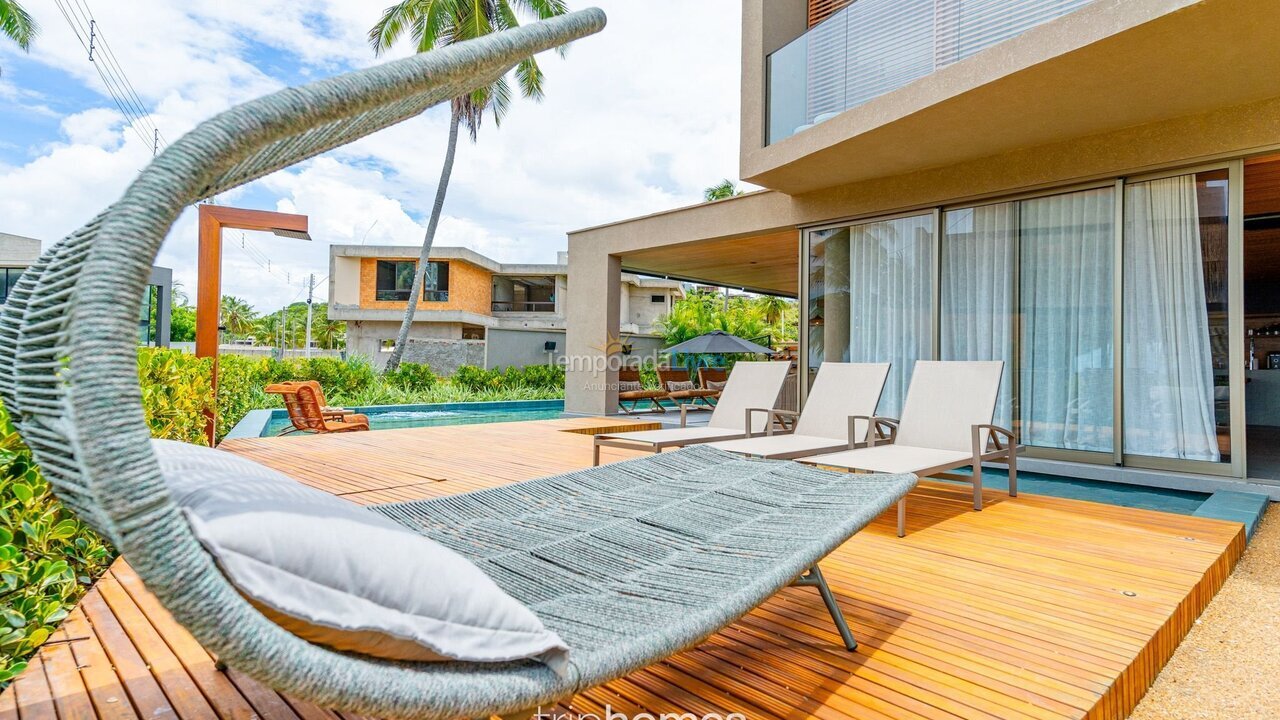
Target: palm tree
{"x":436,"y":23}
{"x":17,"y":24}
{"x":236,"y":316}
{"x":721,"y":190}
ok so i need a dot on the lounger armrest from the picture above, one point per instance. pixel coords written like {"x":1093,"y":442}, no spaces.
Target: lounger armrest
{"x":768,"y":417}
{"x":1003,"y":439}
{"x":774,"y":415}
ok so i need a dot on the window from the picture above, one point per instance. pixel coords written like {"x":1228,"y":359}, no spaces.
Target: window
{"x":658,"y":298}
{"x":395,"y":281}
{"x":387,"y":346}
{"x":8,"y":280}
{"x":1030,"y":283}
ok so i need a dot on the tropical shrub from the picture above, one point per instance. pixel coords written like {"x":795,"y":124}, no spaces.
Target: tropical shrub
{"x":48,"y":558}
{"x":412,"y":377}
{"x":176,"y":393}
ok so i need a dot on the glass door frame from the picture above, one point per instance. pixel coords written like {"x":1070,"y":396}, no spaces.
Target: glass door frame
{"x":1235,"y":326}
{"x":1236,"y":468}
{"x":806,"y":243}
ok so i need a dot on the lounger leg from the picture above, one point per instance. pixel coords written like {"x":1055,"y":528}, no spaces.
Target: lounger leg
{"x":814,"y":578}
{"x":977,"y":485}
{"x":1013,"y":470}
{"x":902,"y":517}
{"x":595,"y":454}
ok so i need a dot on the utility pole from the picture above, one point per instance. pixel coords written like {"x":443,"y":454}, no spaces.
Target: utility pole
{"x":282,"y":321}
{"x":311,"y":288}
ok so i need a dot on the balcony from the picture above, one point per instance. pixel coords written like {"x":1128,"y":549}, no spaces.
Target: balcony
{"x":524,"y":306}
{"x":875,"y":46}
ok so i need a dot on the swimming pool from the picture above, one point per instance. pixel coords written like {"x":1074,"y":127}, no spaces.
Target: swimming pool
{"x":392,"y":417}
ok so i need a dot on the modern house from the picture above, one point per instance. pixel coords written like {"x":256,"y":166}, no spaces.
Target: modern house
{"x":1086,"y":190}
{"x":474,"y":310}
{"x":18,"y":252}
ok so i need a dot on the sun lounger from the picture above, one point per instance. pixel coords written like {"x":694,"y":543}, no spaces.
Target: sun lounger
{"x":304,"y":399}
{"x":945,"y":425}
{"x":680,"y":388}
{"x":743,"y":409}
{"x":836,"y":417}
{"x":635,"y":393}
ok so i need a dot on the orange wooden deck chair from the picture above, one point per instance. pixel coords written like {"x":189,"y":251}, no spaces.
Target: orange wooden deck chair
{"x":304,"y":400}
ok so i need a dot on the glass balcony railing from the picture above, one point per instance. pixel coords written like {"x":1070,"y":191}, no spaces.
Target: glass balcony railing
{"x":875,"y":46}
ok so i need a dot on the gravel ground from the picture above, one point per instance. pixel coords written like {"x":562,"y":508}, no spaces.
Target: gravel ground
{"x":1228,"y":667}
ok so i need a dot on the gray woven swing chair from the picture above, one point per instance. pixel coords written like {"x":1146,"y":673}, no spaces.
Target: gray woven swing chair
{"x":679,"y":544}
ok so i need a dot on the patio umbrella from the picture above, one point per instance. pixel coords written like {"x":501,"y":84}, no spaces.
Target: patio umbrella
{"x":717,"y":342}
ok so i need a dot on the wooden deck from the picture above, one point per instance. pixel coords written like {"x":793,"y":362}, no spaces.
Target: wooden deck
{"x":1036,"y":608}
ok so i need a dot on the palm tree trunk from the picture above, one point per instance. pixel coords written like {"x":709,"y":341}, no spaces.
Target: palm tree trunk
{"x":419,"y":277}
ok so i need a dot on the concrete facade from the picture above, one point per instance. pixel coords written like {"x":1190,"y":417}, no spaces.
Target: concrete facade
{"x":485,"y":299}
{"x":1113,"y":90}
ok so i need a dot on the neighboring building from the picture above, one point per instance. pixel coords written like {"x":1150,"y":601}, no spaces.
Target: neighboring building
{"x":471,"y":306}
{"x":17,"y":253}
{"x":1089,"y":191}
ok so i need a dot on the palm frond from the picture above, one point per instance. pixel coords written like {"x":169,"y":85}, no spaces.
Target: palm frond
{"x":17,"y":24}
{"x":530,"y":78}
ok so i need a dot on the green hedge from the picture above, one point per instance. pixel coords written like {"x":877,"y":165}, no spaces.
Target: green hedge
{"x":48,"y":558}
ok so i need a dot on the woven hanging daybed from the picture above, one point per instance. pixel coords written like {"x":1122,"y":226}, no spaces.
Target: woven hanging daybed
{"x":713,"y":535}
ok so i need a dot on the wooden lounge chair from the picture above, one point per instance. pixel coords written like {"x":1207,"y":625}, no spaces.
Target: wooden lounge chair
{"x":743,"y":410}
{"x":712,"y":379}
{"x":836,"y":417}
{"x":945,"y":425}
{"x":69,"y":379}
{"x":631,"y":376}
{"x":304,"y":399}
{"x":681,"y":388}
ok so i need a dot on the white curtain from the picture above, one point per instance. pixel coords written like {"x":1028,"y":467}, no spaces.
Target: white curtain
{"x":1168,"y":376}
{"x":1067,"y":390}
{"x":890,"y":297}
{"x":979,"y":255}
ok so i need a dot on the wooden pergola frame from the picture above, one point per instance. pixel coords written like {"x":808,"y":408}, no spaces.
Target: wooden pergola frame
{"x":213,"y":220}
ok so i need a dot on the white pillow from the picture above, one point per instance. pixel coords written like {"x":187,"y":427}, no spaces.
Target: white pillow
{"x":336,"y":574}
{"x":679,"y":385}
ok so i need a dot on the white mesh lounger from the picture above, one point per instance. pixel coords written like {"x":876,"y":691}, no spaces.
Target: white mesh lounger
{"x":837,"y":415}
{"x":945,"y":425}
{"x":746,"y":401}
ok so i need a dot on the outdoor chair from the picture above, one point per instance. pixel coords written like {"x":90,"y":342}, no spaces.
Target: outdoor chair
{"x":836,"y":417}
{"x":713,"y":379}
{"x":945,"y":425}
{"x":69,"y":380}
{"x":752,"y":388}
{"x":304,"y":399}
{"x":680,"y":387}
{"x":631,"y":390}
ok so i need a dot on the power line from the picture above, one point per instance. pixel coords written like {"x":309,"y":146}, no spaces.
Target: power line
{"x":89,"y":34}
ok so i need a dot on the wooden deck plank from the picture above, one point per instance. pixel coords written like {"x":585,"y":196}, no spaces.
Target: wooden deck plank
{"x":1036,"y":608}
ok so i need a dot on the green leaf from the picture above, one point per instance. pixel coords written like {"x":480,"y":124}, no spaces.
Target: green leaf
{"x":23,"y":492}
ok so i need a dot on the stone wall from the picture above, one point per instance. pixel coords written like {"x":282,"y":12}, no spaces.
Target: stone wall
{"x":444,"y":356}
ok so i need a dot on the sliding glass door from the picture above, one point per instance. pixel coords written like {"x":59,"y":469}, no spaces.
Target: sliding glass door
{"x":1110,"y":305}
{"x":1030,"y":283}
{"x":871,"y":298}
{"x":1177,"y":400}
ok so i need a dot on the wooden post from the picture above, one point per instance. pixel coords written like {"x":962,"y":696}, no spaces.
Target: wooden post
{"x":213,"y":220}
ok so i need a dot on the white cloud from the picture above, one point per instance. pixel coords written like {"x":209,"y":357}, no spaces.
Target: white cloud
{"x":636,"y":120}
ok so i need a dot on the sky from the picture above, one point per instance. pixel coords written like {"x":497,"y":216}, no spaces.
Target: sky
{"x":637,"y":119}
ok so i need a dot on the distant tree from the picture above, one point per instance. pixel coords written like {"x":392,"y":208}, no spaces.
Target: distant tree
{"x":182,"y":323}
{"x":721,"y":190}
{"x":436,"y":23}
{"x":236,"y":316}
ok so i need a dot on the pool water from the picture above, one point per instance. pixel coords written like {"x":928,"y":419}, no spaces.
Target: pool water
{"x":1134,"y":496}
{"x":392,"y":417}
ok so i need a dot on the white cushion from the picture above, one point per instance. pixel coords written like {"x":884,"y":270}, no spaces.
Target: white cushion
{"x":894,"y":459}
{"x":337,"y":574}
{"x":790,"y":444}
{"x":678,"y":385}
{"x":840,"y":390}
